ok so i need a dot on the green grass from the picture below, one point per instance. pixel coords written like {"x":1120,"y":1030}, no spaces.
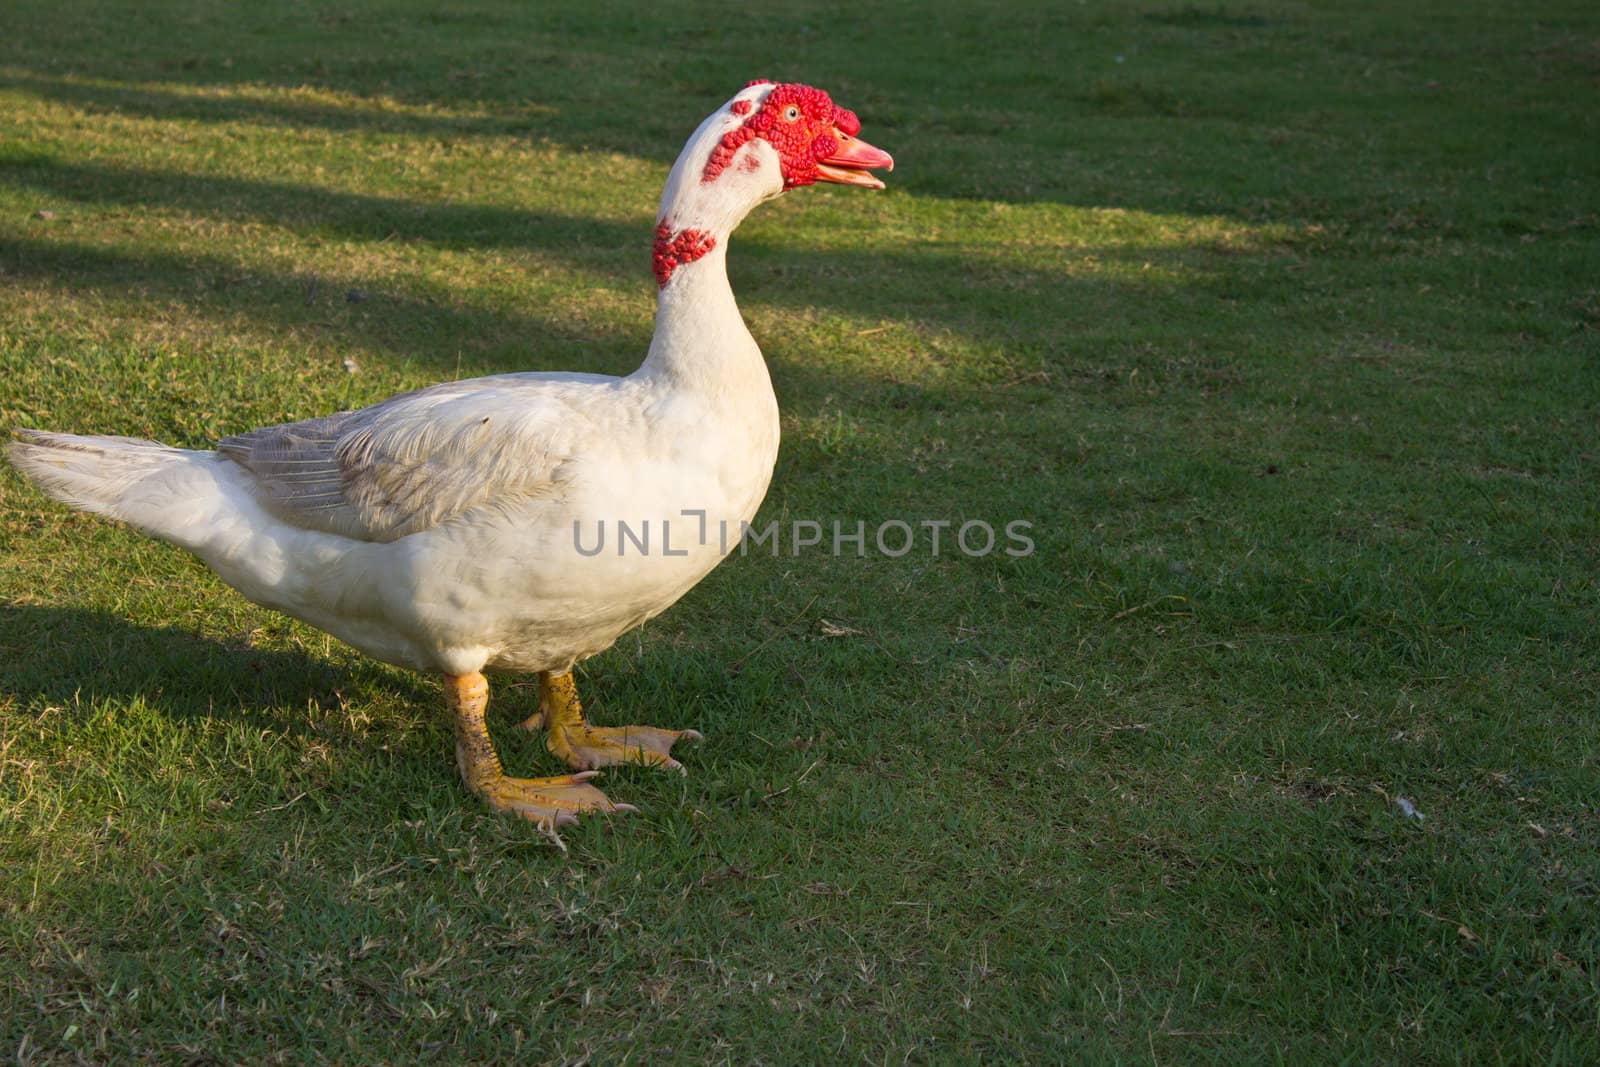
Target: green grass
{"x":1281,"y":322}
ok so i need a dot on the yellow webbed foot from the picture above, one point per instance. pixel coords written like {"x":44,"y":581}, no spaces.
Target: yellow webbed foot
{"x":548,"y":802}
{"x":606,"y":746}
{"x":586,"y":747}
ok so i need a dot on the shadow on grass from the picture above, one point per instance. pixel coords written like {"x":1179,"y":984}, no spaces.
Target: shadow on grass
{"x":1194,"y":108}
{"x":584,"y":241}
{"x":310,"y":307}
{"x":933,"y":288}
{"x":75,"y":657}
{"x":635,"y":80}
{"x":207,"y":103}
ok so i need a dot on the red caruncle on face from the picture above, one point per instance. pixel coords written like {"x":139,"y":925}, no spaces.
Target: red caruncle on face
{"x":799,"y":123}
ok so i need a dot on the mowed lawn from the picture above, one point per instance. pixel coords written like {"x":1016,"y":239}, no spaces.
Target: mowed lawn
{"x":1279,"y":321}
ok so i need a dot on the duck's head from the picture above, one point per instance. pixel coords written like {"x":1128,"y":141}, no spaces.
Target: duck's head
{"x":767,"y":139}
{"x":796,"y":135}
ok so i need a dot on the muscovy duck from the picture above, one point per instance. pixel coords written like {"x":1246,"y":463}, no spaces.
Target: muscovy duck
{"x":439,"y":530}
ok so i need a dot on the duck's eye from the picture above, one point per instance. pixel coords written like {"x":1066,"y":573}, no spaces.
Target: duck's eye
{"x":791,"y":113}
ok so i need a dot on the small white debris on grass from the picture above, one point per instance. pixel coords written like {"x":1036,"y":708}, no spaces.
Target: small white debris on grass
{"x":1408,"y":809}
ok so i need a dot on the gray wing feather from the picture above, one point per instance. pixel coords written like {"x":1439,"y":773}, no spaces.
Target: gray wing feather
{"x":405,"y":465}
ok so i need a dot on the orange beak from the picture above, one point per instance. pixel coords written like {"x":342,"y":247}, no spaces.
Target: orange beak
{"x":848,"y":165}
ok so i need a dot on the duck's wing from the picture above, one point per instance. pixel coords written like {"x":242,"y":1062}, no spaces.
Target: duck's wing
{"x":417,"y":460}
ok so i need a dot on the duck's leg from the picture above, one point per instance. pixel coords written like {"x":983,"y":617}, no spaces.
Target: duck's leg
{"x":550,"y":802}
{"x":586,"y":747}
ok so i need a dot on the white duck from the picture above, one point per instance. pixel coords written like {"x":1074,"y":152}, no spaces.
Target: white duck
{"x":453,"y":529}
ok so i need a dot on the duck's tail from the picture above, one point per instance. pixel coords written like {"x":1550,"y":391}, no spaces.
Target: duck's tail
{"x":200,"y":501}
{"x":150,"y":485}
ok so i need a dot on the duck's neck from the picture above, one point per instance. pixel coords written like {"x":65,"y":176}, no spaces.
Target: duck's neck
{"x":700,"y":339}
